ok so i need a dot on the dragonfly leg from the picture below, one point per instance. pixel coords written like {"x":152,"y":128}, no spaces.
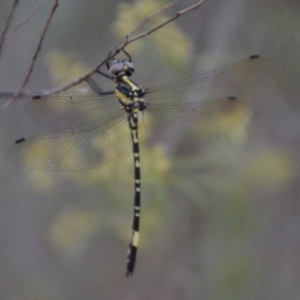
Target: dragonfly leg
{"x":127,"y":54}
{"x":96,"y":88}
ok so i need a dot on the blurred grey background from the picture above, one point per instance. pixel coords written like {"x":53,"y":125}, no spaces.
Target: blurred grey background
{"x":220,"y":223}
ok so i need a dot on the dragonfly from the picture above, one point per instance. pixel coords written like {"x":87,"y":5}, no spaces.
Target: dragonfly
{"x":89,"y":130}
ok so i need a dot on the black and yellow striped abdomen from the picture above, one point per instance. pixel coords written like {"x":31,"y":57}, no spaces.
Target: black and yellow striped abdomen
{"x":130,"y":97}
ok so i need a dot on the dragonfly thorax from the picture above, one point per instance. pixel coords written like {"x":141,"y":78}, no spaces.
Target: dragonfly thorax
{"x":129,"y":93}
{"x":131,"y":100}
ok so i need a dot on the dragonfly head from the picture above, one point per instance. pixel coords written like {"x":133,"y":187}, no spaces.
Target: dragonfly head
{"x":120,"y":67}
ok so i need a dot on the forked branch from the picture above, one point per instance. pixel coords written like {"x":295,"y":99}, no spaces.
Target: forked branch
{"x":119,"y":48}
{"x":26,"y":19}
{"x":151,"y":16}
{"x":111,"y":54}
{"x":7,"y":23}
{"x":37,"y":51}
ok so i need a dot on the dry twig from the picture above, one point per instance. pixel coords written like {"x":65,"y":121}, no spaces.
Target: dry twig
{"x":26,"y":79}
{"x":26,"y":19}
{"x":9,"y":18}
{"x":10,"y":93}
{"x":119,"y":48}
{"x":151,"y":16}
{"x":111,"y":54}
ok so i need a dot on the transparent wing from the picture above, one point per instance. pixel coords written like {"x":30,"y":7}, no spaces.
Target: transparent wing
{"x":73,"y":148}
{"x":92,"y":129}
{"x":205,"y":101}
{"x":73,"y":110}
{"x":226,"y":81}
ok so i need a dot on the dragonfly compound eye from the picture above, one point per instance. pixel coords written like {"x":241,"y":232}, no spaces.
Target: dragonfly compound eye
{"x":121,"y":65}
{"x":129,"y":66}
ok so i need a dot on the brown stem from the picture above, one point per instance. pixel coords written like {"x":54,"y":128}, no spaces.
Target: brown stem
{"x":39,"y":47}
{"x":126,"y":42}
{"x":9,"y":18}
{"x":13,"y":30}
{"x":151,"y":16}
{"x":176,"y":16}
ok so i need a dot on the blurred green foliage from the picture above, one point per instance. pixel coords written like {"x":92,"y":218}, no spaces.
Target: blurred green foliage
{"x":170,"y":42}
{"x":64,"y":67}
{"x":71,"y":230}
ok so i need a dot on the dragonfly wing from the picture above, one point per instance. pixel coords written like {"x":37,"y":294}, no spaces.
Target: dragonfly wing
{"x":72,"y":149}
{"x":181,"y":128}
{"x":208,"y":102}
{"x":73,"y":110}
{"x":235,"y":79}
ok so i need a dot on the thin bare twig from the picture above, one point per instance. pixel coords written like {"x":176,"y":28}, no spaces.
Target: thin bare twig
{"x":125,"y":42}
{"x":39,"y":47}
{"x":151,"y":16}
{"x":176,"y":16}
{"x":11,"y":93}
{"x":9,"y":18}
{"x":30,"y":94}
{"x":26,"y":19}
{"x":119,"y":48}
